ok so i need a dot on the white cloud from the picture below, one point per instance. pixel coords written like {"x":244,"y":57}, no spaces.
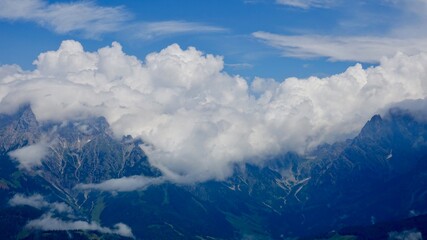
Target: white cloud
{"x":60,"y":207}
{"x":196,"y":119}
{"x":92,"y":20}
{"x":39,"y":202}
{"x":49,"y":223}
{"x":406,"y":235}
{"x":336,"y":48}
{"x":366,"y":36}
{"x":83,"y":16}
{"x":417,"y":108}
{"x":35,"y":201}
{"x":305,"y":4}
{"x":7,"y":71}
{"x":125,"y":184}
{"x":156,"y":29}
{"x":239,"y":65}
{"x":30,"y":156}
{"x":262,"y":85}
{"x":417,"y":7}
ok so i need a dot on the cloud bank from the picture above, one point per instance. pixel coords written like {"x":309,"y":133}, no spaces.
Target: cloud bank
{"x":197,"y":120}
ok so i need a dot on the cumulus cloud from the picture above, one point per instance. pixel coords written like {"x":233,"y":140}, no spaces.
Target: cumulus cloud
{"x":406,"y":235}
{"x":339,"y":48}
{"x":195,"y":119}
{"x":49,"y":223}
{"x":7,"y":71}
{"x":30,"y":156}
{"x":125,"y":184}
{"x":305,"y":4}
{"x":39,"y":202}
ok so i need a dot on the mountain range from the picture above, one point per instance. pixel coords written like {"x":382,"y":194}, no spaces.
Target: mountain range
{"x":55,"y":183}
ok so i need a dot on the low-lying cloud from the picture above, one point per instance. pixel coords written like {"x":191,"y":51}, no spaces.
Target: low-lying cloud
{"x":39,"y":202}
{"x":49,"y":223}
{"x":413,"y":234}
{"x":198,"y":121}
{"x":125,"y":184}
{"x":30,"y":156}
{"x":35,"y":201}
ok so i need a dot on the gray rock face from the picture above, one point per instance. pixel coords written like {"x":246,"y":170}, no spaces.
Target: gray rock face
{"x":78,"y":152}
{"x":18,"y":130}
{"x":87,"y":152}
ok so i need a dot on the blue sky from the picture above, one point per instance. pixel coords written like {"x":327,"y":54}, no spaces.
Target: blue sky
{"x":197,"y":120}
{"x":265,"y":38}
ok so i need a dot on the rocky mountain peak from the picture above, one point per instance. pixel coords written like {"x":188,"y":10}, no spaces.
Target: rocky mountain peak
{"x":19,"y":129}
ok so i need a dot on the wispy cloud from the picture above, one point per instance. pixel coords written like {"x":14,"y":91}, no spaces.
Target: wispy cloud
{"x":360,"y":37}
{"x":92,"y":20}
{"x":239,"y":65}
{"x":83,"y":17}
{"x":305,"y":4}
{"x":418,"y":7}
{"x":413,"y":19}
{"x":125,"y":184}
{"x":337,"y":48}
{"x":156,"y":29}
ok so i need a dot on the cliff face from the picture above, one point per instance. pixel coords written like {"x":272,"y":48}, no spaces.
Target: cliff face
{"x":18,"y":130}
{"x":87,"y":152}
{"x":77,"y":152}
